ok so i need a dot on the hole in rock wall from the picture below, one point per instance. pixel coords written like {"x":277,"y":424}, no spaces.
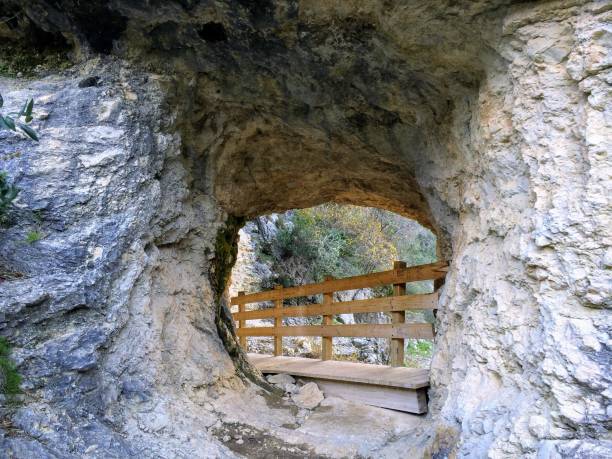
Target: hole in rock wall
{"x":101,"y":26}
{"x":304,"y":246}
{"x":212,"y":32}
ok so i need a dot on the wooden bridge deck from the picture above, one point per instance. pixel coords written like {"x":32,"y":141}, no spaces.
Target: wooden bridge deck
{"x":398,"y":388}
{"x":394,"y":387}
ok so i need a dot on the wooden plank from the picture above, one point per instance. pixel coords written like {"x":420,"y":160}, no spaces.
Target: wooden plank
{"x":242,"y":324}
{"x":387,"y":304}
{"x":395,"y":398}
{"x":418,"y":330}
{"x":411,"y":274}
{"x":381,"y":375}
{"x":327,"y":344}
{"x":396,"y":346}
{"x":278,"y":322}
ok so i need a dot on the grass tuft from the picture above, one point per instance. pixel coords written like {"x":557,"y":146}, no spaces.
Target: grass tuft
{"x":33,"y":236}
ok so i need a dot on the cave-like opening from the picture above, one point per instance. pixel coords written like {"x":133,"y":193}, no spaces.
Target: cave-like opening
{"x":262,"y":162}
{"x":303,"y":246}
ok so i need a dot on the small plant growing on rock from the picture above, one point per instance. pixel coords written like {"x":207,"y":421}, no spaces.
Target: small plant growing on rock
{"x":18,"y":121}
{"x":14,"y":121}
{"x":33,"y":236}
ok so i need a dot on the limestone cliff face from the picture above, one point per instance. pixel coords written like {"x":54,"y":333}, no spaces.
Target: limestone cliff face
{"x":486,"y":121}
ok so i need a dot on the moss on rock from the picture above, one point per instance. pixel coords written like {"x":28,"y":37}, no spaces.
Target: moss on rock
{"x":226,"y":251}
{"x":10,"y":379}
{"x":20,"y":60}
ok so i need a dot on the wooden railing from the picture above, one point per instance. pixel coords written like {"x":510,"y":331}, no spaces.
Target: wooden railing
{"x":397,"y":305}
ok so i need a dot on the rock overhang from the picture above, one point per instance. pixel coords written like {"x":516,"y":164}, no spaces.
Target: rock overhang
{"x":324,"y":99}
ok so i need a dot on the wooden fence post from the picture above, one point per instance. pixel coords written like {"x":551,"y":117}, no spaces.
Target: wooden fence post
{"x":242,"y":324}
{"x":396,"y":348}
{"x":327,"y":343}
{"x":278,"y":322}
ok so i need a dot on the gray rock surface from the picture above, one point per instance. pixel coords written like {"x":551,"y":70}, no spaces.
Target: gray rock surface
{"x":87,"y":317}
{"x":488,"y":121}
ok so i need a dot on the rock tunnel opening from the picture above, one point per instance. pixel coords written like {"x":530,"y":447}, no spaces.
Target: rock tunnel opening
{"x":265,"y":165}
{"x":252,"y":185}
{"x":269,"y":158}
{"x":418,"y":352}
{"x":303,"y":246}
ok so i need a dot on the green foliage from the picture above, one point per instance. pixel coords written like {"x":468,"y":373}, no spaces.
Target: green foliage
{"x":23,"y":61}
{"x":8,"y":193}
{"x":418,"y":351}
{"x":420,"y":347}
{"x":14,"y":121}
{"x":18,"y":121}
{"x":341,"y":241}
{"x":33,"y":236}
{"x":9,"y":377}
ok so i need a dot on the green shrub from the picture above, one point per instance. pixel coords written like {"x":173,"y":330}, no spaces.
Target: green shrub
{"x":418,"y":353}
{"x":420,"y":347}
{"x":342,"y":241}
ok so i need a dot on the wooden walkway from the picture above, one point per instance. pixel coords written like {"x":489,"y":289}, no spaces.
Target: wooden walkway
{"x":381,"y":375}
{"x":398,"y":388}
{"x":393,"y":387}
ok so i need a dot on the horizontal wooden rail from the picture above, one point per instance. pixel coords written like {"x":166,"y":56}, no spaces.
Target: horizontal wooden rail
{"x":431,"y":271}
{"x":396,"y":305}
{"x":403,"y":330}
{"x":387,"y":304}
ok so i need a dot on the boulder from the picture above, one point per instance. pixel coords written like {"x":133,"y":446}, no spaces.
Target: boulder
{"x":309,"y":396}
{"x":280,"y":380}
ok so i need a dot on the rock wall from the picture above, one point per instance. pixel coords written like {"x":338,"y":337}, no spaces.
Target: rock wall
{"x":249,"y":271}
{"x":111,"y":323}
{"x":487,"y":121}
{"x":527,"y":301}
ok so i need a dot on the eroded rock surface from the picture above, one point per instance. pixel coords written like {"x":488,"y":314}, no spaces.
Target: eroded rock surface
{"x":487,"y":121}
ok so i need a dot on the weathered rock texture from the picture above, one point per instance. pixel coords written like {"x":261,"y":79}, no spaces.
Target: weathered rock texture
{"x":487,"y":121}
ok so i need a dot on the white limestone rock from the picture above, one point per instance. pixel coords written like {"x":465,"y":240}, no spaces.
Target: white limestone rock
{"x":309,"y":396}
{"x":280,"y":380}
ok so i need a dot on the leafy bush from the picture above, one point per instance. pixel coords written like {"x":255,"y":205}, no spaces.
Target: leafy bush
{"x":341,"y":241}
